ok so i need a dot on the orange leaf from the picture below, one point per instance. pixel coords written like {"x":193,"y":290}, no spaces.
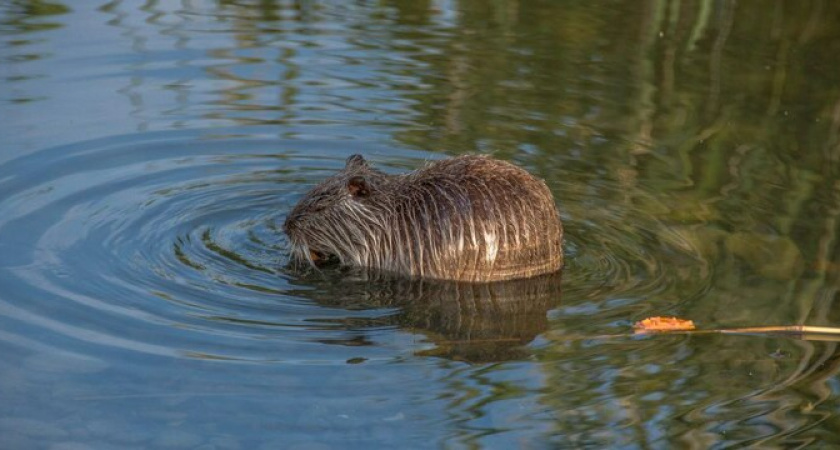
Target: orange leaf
{"x":659,"y":323}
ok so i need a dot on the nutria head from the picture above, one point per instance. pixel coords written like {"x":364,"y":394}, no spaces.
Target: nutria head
{"x":331,"y":219}
{"x":470,"y":218}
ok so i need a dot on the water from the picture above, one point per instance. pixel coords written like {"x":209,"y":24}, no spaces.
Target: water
{"x":151,"y":151}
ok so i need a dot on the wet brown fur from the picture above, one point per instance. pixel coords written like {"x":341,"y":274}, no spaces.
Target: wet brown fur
{"x":469,"y":218}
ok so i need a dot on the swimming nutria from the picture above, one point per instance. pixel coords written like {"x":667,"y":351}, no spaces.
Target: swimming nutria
{"x":469,"y":218}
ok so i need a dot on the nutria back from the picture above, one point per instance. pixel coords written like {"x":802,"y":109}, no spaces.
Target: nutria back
{"x":470,"y":218}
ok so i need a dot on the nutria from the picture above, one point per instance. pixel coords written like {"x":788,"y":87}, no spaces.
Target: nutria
{"x":469,"y":218}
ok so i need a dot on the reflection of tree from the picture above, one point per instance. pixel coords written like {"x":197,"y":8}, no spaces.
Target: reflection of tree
{"x":239,"y":83}
{"x":719,"y":119}
{"x":20,"y":23}
{"x":136,"y":85}
{"x":28,"y":15}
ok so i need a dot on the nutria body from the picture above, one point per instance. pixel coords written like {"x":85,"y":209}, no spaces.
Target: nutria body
{"x":470,"y":218}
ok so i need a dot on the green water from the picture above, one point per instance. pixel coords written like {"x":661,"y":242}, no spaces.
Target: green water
{"x":149,"y":153}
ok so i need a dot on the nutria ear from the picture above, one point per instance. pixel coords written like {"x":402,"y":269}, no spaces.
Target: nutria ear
{"x":356,"y":161}
{"x":358,"y":187}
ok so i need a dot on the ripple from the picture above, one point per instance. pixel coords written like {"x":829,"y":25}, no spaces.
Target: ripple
{"x":616,"y":250}
{"x":164,"y":246}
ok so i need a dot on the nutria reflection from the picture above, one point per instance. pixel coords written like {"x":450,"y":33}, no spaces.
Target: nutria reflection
{"x":469,"y":218}
{"x":476,"y":322}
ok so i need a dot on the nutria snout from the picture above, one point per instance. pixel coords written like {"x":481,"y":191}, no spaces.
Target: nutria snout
{"x":469,"y":218}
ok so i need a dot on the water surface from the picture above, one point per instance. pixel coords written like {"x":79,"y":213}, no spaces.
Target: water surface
{"x":149,"y":153}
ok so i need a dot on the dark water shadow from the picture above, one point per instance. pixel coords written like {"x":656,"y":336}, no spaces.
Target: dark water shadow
{"x":471,"y":322}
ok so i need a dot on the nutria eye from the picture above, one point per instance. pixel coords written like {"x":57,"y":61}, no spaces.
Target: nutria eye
{"x":358,"y":187}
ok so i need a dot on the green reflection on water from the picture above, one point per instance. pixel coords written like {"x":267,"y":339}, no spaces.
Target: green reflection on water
{"x":721,"y":122}
{"x":27,"y":15}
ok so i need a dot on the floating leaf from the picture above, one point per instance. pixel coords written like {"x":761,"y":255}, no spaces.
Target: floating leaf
{"x":658,"y":323}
